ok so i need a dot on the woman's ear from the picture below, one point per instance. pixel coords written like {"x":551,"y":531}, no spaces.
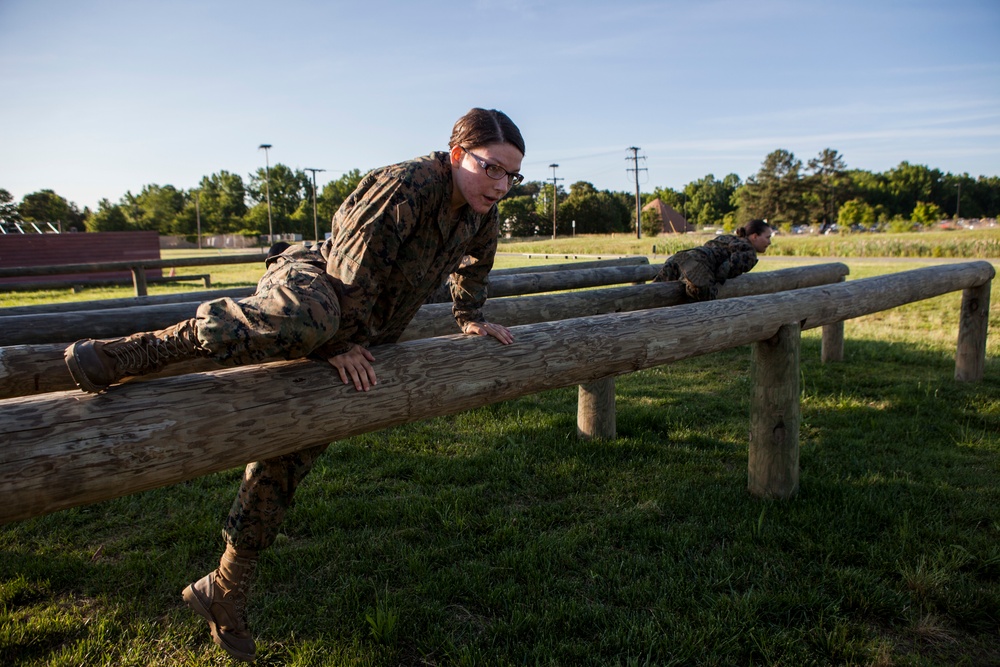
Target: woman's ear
{"x":456,"y":155}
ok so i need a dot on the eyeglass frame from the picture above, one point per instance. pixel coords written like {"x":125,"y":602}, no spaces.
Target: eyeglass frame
{"x":513,"y":178}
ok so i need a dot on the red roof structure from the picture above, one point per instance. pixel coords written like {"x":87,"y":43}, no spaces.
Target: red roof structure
{"x":673,"y":222}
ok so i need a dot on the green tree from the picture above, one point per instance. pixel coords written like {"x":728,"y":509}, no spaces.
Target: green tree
{"x":155,"y":208}
{"x":108,"y":218}
{"x":829,"y":185}
{"x":855,"y":212}
{"x":8,"y":208}
{"x":652,"y":225}
{"x":222,"y":203}
{"x":287,"y":190}
{"x":595,"y":212}
{"x":926,"y":213}
{"x":46,"y":206}
{"x":518,"y":217}
{"x":912,"y":183}
{"x":775,"y":192}
{"x":707,"y":200}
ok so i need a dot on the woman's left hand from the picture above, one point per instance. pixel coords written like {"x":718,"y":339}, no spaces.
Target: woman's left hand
{"x":499,"y":332}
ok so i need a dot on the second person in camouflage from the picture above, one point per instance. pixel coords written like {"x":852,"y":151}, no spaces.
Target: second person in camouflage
{"x":705,"y":268}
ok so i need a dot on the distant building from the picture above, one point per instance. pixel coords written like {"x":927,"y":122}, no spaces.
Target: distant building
{"x":672,"y":221}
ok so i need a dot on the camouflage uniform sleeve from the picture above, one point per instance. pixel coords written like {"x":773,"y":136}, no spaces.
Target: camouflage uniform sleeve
{"x":365,"y":244}
{"x":742,"y":259}
{"x":470,"y":282}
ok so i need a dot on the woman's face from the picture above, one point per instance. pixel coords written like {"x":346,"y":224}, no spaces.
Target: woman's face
{"x":760,"y":242}
{"x":472,"y":185}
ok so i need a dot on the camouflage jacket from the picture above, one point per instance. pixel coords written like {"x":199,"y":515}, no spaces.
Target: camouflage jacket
{"x":395,"y":241}
{"x":728,"y":256}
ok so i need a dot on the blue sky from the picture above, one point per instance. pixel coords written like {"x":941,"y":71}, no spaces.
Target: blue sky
{"x":103,"y":97}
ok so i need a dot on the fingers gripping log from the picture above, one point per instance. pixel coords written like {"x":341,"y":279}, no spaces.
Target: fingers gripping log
{"x":67,"y":449}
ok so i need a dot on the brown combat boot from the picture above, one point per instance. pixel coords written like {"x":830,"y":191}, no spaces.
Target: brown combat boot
{"x":95,"y":365}
{"x":220,"y":597}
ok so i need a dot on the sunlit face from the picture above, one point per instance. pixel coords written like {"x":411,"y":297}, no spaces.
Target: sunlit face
{"x":760,"y":242}
{"x":472,"y":184}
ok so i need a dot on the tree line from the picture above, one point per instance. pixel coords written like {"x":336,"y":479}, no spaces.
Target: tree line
{"x":819,"y":193}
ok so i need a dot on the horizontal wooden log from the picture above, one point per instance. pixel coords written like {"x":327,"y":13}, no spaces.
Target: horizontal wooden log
{"x":39,"y":368}
{"x":240,"y":292}
{"x":128,"y":265}
{"x":70,"y":326}
{"x":68,"y":449}
{"x":203,"y":278}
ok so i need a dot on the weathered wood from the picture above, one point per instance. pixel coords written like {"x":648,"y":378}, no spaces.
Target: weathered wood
{"x":595,"y":410}
{"x":832,"y":343}
{"x":39,"y":368}
{"x":68,"y":449}
{"x":70,"y":326}
{"x":973,"y":323}
{"x":139,"y":281}
{"x":240,"y":292}
{"x":128,"y":265}
{"x":773,"y":462}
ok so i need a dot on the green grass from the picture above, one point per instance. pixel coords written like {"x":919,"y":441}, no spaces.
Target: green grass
{"x":496,"y":537}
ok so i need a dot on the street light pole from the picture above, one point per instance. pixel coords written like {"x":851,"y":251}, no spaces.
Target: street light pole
{"x":267,"y":190}
{"x":555,"y":197}
{"x":315,"y":219}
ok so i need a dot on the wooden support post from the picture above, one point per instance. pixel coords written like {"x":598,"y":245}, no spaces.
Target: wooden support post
{"x":970,"y":356}
{"x":832,"y":343}
{"x":595,"y":412}
{"x":139,"y":280}
{"x":773,"y":467}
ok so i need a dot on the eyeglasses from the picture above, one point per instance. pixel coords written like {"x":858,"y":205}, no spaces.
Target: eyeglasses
{"x":495,"y":171}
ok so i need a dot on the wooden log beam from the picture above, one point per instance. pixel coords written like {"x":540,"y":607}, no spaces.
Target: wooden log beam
{"x":67,"y":449}
{"x":595,"y":410}
{"x":973,"y":324}
{"x":39,"y":368}
{"x":128,"y":265}
{"x":70,"y":326}
{"x":240,"y":292}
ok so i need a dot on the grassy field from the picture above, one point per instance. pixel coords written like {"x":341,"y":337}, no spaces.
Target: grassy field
{"x":495,"y":537}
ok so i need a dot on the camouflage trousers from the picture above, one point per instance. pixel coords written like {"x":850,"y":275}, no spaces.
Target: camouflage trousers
{"x":694,"y":269}
{"x":294,"y":310}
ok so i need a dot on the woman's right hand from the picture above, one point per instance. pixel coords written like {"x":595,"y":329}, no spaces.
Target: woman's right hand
{"x":355,"y":366}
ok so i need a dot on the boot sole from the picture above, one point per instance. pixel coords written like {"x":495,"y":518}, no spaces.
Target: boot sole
{"x":76,"y":372}
{"x":198,"y":606}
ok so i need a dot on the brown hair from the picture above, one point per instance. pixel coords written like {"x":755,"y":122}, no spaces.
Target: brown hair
{"x":752,"y":227}
{"x":480,"y":127}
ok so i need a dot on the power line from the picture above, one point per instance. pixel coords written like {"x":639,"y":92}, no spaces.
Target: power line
{"x":638,"y":202}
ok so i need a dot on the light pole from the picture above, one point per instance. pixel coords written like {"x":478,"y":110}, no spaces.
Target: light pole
{"x":555,"y":197}
{"x":267,"y":190}
{"x":315,"y":220}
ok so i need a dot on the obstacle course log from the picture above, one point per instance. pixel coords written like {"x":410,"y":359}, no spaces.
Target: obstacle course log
{"x":241,"y":292}
{"x":66,"y":327}
{"x":595,"y":411}
{"x":67,"y":449}
{"x":34,"y":369}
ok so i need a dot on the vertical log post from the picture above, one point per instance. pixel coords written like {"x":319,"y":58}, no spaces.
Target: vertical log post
{"x":595,"y":412}
{"x":773,"y":467}
{"x":970,"y":356}
{"x":139,"y":280}
{"x":832,"y":345}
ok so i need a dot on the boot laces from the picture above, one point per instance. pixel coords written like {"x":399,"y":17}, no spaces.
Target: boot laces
{"x":146,"y":350}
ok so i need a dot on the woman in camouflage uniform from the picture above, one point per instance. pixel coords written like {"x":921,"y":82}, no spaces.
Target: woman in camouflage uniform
{"x":395,"y":239}
{"x":704,"y":269}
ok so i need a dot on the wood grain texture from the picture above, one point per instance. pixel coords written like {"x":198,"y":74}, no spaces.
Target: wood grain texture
{"x":66,"y":448}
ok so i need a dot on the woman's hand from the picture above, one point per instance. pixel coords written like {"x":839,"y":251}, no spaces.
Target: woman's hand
{"x":355,"y":366}
{"x":501,"y":333}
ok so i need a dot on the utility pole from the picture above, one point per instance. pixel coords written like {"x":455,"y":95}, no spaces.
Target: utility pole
{"x":638,"y":201}
{"x":315,"y":219}
{"x":267,"y":189}
{"x":555,"y":197}
{"x":958,"y":202}
{"x":197,"y":214}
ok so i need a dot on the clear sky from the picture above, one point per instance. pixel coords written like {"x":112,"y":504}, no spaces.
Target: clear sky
{"x":104,"y":97}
